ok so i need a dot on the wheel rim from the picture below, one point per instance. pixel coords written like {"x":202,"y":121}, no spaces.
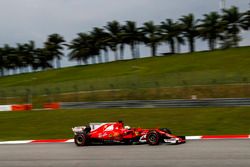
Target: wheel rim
{"x":79,"y":140}
{"x":152,"y":138}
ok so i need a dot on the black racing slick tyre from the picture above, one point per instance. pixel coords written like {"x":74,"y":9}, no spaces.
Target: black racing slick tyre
{"x":166,"y":130}
{"x":80,"y":139}
{"x":153,"y":138}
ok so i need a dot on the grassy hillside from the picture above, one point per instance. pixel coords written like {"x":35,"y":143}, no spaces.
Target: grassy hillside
{"x":184,"y":70}
{"x":225,"y":66}
{"x":190,"y":121}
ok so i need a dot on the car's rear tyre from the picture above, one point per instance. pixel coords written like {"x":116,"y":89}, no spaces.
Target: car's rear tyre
{"x":80,"y":139}
{"x":166,"y":130}
{"x":153,"y":138}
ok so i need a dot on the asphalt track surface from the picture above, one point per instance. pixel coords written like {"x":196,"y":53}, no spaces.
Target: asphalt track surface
{"x":201,"y":153}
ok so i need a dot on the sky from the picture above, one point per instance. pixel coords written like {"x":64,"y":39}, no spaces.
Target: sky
{"x":24,"y":20}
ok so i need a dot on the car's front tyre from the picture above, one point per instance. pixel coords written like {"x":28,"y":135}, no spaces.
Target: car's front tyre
{"x":153,"y":138}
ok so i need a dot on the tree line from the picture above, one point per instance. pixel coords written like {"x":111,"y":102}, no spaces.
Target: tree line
{"x":220,"y":30}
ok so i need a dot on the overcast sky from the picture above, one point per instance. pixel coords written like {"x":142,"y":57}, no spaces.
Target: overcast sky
{"x":24,"y":20}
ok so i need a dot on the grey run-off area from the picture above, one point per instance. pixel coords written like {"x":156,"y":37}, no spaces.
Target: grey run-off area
{"x":205,"y":153}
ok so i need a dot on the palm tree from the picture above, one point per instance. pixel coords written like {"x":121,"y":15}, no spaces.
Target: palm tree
{"x":114,"y":30}
{"x":170,"y":33}
{"x":211,"y":28}
{"x":2,"y":62}
{"x":31,"y":51}
{"x":247,"y":19}
{"x":122,"y":41}
{"x":82,"y":48}
{"x":100,"y":38}
{"x":103,"y":41}
{"x":25,"y":53}
{"x":179,"y":36}
{"x":152,"y":36}
{"x":54,"y":45}
{"x":189,"y":28}
{"x":79,"y":49}
{"x":93,"y":47}
{"x":41,"y":59}
{"x":234,"y":22}
{"x":20,"y":57}
{"x":12,"y":60}
{"x":132,"y":36}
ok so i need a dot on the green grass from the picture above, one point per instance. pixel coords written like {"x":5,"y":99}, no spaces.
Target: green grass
{"x":201,"y":68}
{"x":188,"y":121}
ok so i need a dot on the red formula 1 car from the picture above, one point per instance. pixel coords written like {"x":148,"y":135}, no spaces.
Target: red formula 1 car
{"x":116,"y":132}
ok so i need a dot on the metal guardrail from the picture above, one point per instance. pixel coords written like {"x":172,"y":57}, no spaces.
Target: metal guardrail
{"x":182,"y":103}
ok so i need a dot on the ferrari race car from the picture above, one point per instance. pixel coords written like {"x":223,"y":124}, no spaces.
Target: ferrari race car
{"x":117,"y":133}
